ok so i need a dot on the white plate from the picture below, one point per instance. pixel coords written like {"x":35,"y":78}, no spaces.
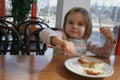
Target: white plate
{"x":73,"y":65}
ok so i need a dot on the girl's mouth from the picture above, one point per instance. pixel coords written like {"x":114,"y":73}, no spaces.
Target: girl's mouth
{"x":74,"y":31}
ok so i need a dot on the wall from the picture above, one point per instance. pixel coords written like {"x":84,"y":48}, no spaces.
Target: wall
{"x":65,"y":5}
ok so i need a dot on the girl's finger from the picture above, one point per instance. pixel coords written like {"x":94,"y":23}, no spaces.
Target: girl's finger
{"x":58,"y":47}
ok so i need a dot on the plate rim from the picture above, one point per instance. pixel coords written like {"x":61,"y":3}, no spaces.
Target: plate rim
{"x":91,"y":76}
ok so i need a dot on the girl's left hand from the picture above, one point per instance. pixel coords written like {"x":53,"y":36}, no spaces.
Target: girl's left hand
{"x":107,"y":32}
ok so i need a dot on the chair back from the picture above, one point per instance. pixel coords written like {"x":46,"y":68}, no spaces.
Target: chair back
{"x":30,"y":36}
{"x":15,"y":43}
{"x":32,"y":18}
{"x":8,"y":23}
{"x":40,"y":47}
{"x":3,"y":44}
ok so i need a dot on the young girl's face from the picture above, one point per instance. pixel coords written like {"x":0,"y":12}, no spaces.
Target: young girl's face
{"x":75,"y":25}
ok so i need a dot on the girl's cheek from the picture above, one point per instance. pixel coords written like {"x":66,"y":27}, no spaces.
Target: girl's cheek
{"x":82,"y":30}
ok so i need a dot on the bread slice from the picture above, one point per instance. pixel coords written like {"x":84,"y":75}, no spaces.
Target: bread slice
{"x":97,"y":65}
{"x":91,"y":67}
{"x":84,"y":62}
{"x":92,"y":71}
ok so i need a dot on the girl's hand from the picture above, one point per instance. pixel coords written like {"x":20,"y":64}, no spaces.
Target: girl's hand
{"x":107,"y":33}
{"x":66,"y":46}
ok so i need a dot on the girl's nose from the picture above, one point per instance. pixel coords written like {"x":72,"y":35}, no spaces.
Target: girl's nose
{"x":75,"y":26}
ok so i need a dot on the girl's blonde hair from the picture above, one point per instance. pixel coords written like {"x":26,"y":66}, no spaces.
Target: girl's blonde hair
{"x":87,"y":19}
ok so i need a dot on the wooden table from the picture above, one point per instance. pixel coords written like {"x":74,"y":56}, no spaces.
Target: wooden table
{"x":46,"y":68}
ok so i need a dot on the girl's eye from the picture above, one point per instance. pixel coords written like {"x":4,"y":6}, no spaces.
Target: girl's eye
{"x":70,"y":22}
{"x":80,"y":24}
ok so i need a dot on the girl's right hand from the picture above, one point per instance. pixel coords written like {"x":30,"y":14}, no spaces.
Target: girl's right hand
{"x":67,"y":47}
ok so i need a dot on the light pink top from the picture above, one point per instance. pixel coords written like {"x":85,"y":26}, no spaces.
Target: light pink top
{"x":81,"y":45}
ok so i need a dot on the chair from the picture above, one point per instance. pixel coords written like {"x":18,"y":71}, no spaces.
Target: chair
{"x":3,"y":45}
{"x":15,"y":43}
{"x":32,"y":18}
{"x":0,"y":17}
{"x":8,"y":23}
{"x":41,"y":46}
{"x":12,"y":19}
{"x":29,"y":29}
{"x":38,"y":24}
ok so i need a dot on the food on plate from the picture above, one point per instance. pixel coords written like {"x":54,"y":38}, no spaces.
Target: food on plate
{"x":91,"y":71}
{"x":91,"y":67}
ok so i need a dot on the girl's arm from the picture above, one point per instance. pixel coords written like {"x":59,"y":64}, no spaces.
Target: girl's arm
{"x":47,"y":33}
{"x":55,"y":38}
{"x":106,"y":49}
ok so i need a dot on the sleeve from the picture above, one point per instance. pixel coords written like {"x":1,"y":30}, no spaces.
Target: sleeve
{"x":47,"y":33}
{"x":105,"y":50}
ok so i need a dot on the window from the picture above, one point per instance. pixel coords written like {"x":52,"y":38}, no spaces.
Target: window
{"x":108,"y":10}
{"x":8,"y":7}
{"x":104,"y":13}
{"x":46,"y":9}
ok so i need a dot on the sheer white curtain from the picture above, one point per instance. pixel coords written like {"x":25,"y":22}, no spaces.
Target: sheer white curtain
{"x":104,"y":13}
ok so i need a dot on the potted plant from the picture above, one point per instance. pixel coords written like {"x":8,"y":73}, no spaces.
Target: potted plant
{"x":21,"y":9}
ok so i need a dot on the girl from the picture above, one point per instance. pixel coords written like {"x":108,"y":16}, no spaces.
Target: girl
{"x":77,"y":29}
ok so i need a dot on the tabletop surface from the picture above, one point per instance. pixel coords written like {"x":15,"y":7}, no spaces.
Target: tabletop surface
{"x":36,"y":67}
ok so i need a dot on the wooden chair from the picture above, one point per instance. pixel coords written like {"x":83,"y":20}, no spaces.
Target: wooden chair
{"x":15,"y":43}
{"x":40,"y":47}
{"x":8,"y":23}
{"x":3,"y":45}
{"x":29,"y":29}
{"x":9,"y":18}
{"x":32,"y":18}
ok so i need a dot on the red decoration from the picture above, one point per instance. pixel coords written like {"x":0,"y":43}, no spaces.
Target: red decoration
{"x":118,"y":43}
{"x":2,"y":7}
{"x":34,"y":10}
